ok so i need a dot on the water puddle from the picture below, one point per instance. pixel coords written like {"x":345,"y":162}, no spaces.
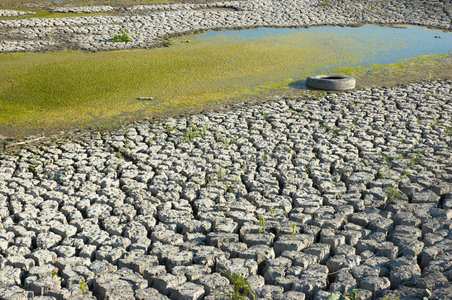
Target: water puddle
{"x":369,"y":44}
{"x":75,"y":89}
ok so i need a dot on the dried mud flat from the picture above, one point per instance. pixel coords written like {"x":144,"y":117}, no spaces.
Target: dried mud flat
{"x":303,"y":195}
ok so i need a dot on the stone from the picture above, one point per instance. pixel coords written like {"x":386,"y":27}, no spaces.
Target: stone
{"x":213,"y":282}
{"x":188,"y":291}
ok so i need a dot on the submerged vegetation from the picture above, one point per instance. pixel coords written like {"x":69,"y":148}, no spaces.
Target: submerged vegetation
{"x":67,"y":89}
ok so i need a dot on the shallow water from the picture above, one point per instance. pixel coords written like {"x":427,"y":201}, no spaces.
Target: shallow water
{"x":370,"y":44}
{"x":74,"y":89}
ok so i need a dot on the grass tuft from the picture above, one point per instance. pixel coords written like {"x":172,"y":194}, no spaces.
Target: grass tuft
{"x":123,"y":36}
{"x":241,"y":289}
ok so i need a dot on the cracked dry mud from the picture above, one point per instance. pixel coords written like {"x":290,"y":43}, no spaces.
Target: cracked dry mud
{"x":303,"y":195}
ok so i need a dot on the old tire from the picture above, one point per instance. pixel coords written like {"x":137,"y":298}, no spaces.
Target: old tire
{"x":331,"y":82}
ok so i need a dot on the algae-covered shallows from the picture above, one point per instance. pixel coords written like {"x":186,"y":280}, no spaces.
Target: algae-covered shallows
{"x":66,"y":88}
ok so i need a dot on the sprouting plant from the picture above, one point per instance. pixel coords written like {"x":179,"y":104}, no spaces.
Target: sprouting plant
{"x":435,"y":122}
{"x":388,"y":158}
{"x":449,"y":130}
{"x":126,"y":142}
{"x":193,"y":132}
{"x":419,"y":152}
{"x":343,"y":175}
{"x":393,"y":194}
{"x":261,"y":224}
{"x":221,"y":174}
{"x":229,"y":141}
{"x":380,"y":174}
{"x":403,"y":156}
{"x":83,"y":287}
{"x":57,"y":176}
{"x":272,"y":211}
{"x":119,"y":155}
{"x":414,"y":161}
{"x":308,"y":169}
{"x":294,"y":229}
{"x":352,"y":295}
{"x":401,"y":176}
{"x":122,"y":36}
{"x":207,"y":180}
{"x":263,"y":157}
{"x":228,"y":188}
{"x":241,"y":289}
{"x":355,"y":121}
{"x":245,"y":170}
{"x":55,"y":274}
{"x":325,"y":3}
{"x":335,"y":133}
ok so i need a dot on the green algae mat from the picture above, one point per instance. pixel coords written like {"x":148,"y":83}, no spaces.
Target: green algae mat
{"x":62,"y":90}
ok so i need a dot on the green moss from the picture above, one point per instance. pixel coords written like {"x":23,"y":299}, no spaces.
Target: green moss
{"x":67,"y":89}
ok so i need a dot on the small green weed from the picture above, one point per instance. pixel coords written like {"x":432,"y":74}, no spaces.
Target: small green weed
{"x":207,"y":180}
{"x":294,"y":229}
{"x":55,"y":274}
{"x":57,"y":176}
{"x":83,"y":287}
{"x":352,"y":295}
{"x":449,"y":130}
{"x":230,"y":141}
{"x":393,"y":194}
{"x":261,"y":224}
{"x":435,"y":122}
{"x":308,"y":169}
{"x":335,"y":133}
{"x":193,"y":132}
{"x":401,"y":176}
{"x":388,"y":158}
{"x":414,"y":161}
{"x":221,"y":174}
{"x":122,"y":36}
{"x":241,"y":289}
{"x":228,"y":188}
{"x":382,"y":176}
